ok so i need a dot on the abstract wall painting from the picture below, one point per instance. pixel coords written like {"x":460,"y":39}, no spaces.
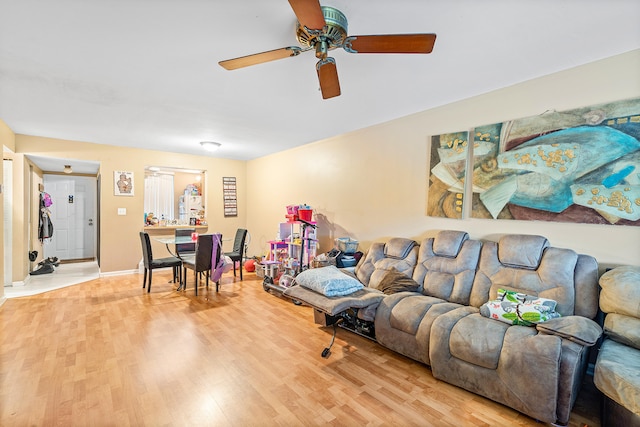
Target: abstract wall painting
{"x":579,"y":166}
{"x":448,"y":163}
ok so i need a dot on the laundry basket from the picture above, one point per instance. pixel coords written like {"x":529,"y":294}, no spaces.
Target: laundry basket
{"x":347,"y":245}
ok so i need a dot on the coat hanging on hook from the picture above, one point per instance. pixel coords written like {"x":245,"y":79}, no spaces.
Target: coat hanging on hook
{"x":45,"y":229}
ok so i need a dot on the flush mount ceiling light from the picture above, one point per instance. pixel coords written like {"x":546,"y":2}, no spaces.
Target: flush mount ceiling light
{"x":67,"y":169}
{"x":210,"y":145}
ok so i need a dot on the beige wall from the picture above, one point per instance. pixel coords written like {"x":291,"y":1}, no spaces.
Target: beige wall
{"x":33,"y":178}
{"x":8,"y":140}
{"x":372,"y":184}
{"x":7,"y":137}
{"x":119,"y":241}
{"x":21,"y":218}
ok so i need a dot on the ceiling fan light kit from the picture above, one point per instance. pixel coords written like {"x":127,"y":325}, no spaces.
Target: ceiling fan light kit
{"x":324,"y":28}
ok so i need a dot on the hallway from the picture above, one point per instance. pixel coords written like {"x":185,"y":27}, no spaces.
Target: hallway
{"x":63,"y":276}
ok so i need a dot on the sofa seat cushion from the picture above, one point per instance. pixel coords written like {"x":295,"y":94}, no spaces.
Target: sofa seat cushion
{"x":616,"y":374}
{"x":481,"y":349}
{"x":403,"y":322}
{"x":409,"y":312}
{"x":526,"y":376}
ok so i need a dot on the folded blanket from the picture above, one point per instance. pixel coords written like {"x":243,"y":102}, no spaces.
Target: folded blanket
{"x":328,"y":281}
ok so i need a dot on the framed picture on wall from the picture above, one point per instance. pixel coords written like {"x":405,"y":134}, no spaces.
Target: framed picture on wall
{"x":230,"y":196}
{"x":123,"y":183}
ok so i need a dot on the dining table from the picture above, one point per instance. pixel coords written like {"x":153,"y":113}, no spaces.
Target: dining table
{"x":171,"y":241}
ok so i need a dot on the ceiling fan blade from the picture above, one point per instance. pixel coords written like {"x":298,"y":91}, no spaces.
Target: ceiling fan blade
{"x":328,"y":77}
{"x":390,"y":43}
{"x":259,"y":58}
{"x":309,"y":13}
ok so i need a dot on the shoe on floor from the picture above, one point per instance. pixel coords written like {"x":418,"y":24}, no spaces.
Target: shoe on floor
{"x":46,"y":268}
{"x":50,"y":261}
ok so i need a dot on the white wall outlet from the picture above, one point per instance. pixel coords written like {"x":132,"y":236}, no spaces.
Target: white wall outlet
{"x":122,"y":211}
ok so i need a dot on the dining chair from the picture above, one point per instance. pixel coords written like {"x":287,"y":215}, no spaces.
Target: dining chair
{"x":200,"y":261}
{"x":184,"y":249}
{"x":237,"y":254}
{"x":151,"y":264}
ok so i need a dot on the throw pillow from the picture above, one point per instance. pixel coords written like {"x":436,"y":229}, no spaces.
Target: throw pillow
{"x":519,"y":297}
{"x":328,"y":281}
{"x":394,"y":281}
{"x":516,"y":308}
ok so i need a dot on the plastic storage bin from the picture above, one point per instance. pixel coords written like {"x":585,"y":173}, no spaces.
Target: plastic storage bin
{"x":305,"y":214}
{"x":347,"y":245}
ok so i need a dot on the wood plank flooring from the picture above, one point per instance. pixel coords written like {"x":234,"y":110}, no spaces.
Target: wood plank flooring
{"x":106,"y":353}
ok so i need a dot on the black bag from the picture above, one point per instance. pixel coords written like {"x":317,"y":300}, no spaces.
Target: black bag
{"x":348,"y":260}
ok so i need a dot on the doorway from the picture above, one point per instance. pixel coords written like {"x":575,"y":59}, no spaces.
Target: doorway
{"x":7,"y":176}
{"x":73,"y":214}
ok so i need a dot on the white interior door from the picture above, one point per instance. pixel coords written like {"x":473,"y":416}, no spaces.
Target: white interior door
{"x":72,"y":215}
{"x":84,"y":229}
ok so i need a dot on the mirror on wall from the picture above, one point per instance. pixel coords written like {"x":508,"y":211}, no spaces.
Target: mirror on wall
{"x":174,"y":196}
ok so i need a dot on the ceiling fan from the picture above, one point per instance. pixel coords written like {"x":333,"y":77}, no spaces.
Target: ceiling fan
{"x":324,"y":28}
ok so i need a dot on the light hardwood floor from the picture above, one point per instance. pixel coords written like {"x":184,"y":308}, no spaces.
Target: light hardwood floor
{"x":106,"y":353}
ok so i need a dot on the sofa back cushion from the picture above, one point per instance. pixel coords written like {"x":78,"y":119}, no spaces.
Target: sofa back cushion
{"x":447,"y":264}
{"x":620,"y":300}
{"x":522,"y":251}
{"x":527,"y":264}
{"x":398,"y":253}
{"x":621,"y":291}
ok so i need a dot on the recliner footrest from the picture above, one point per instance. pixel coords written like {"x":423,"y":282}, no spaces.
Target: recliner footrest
{"x":335,"y":305}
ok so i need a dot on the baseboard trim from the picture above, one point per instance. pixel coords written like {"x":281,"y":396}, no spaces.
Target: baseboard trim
{"x":21,"y":282}
{"x":118,"y":273}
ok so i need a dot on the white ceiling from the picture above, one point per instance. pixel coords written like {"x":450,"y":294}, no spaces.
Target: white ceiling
{"x":144,"y":73}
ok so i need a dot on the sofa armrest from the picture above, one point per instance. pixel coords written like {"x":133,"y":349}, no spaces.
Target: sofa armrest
{"x":578,"y":329}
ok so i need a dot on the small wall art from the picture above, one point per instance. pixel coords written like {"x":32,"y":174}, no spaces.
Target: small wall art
{"x":123,"y":183}
{"x":229,"y":191}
